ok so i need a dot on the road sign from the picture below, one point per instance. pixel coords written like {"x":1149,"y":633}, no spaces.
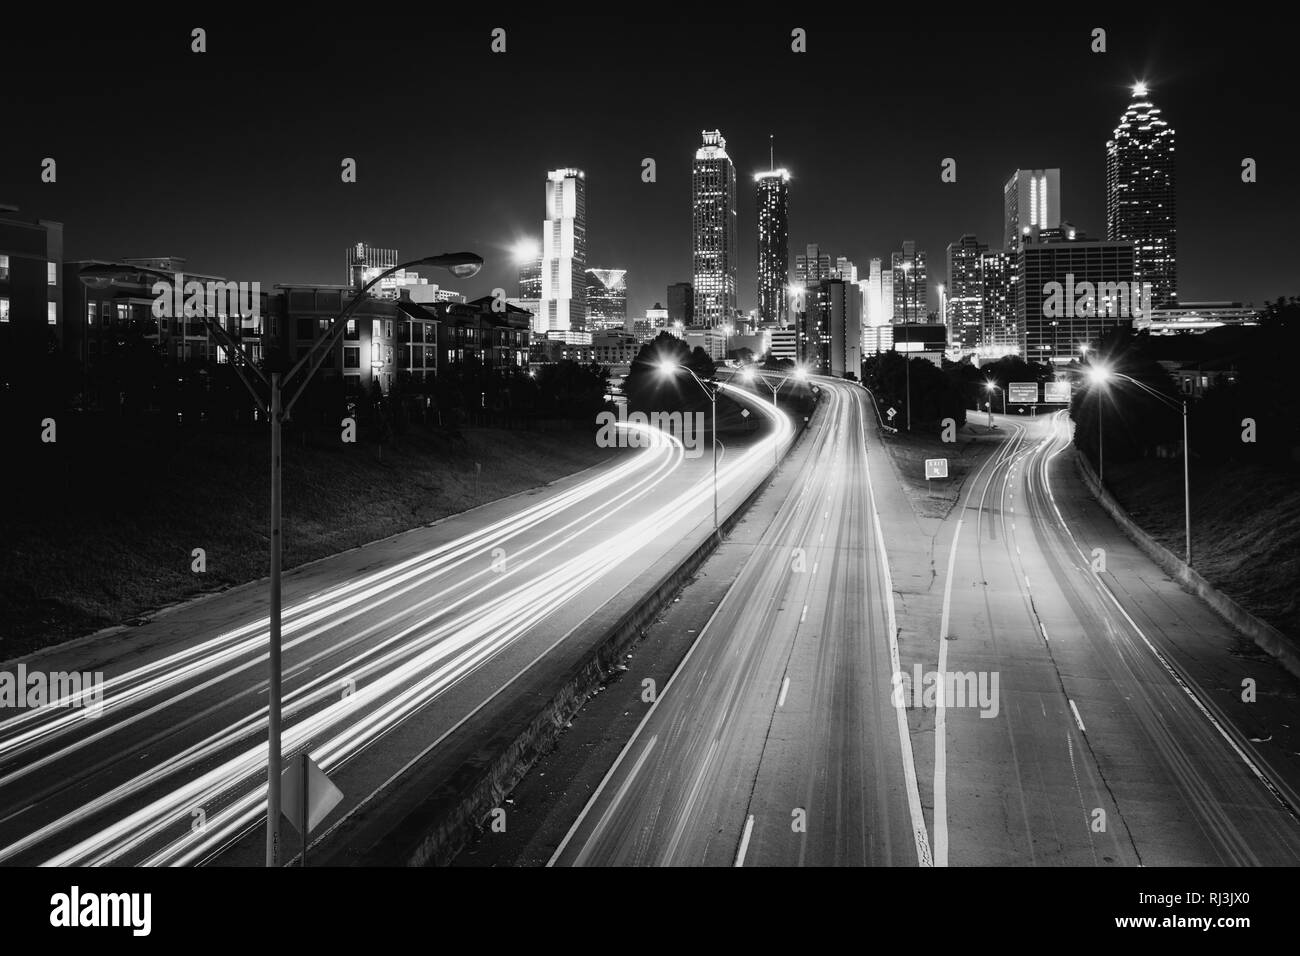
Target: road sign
{"x":744,"y":413}
{"x":891,"y":413}
{"x":936,"y":468}
{"x":1056,"y":392}
{"x":1018,"y":392}
{"x":322,"y":795}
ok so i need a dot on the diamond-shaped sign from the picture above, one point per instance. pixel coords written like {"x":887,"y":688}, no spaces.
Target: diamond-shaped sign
{"x":322,"y":795}
{"x":744,"y":413}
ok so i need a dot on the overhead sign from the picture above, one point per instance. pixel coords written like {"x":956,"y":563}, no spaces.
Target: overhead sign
{"x":1022,"y":392}
{"x":1056,"y":392}
{"x":936,"y":468}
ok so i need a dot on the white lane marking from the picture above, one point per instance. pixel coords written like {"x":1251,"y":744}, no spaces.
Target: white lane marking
{"x":816,"y":565}
{"x":941,"y":720}
{"x":1077,"y":719}
{"x":919,"y":834}
{"x":1043,"y":628}
{"x":744,"y":841}
{"x":622,"y":791}
{"x":1169,"y":668}
{"x":780,"y":701}
{"x":804,"y":616}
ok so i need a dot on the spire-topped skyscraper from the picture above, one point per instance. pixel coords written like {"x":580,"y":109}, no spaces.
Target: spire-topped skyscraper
{"x":1140,"y":195}
{"x":773,"y":188}
{"x":713,"y":231}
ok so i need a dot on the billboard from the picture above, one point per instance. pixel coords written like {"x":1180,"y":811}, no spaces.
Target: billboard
{"x":1022,"y":393}
{"x":1056,"y":392}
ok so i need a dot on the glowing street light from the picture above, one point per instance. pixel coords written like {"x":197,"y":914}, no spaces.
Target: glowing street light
{"x":277,"y":409}
{"x":1100,"y":375}
{"x":992,"y":387}
{"x":667,"y":369}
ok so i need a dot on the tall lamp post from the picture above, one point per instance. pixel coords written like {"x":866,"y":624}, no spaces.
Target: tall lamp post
{"x":749,"y":375}
{"x":279,"y":384}
{"x":668,"y":369}
{"x":1100,"y":375}
{"x":992,"y":387}
{"x":907,"y":357}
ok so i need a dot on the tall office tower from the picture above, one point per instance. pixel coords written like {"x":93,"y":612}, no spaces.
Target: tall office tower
{"x":998,"y":335}
{"x":563,"y":306}
{"x":965,"y":292}
{"x":530,"y":278}
{"x":606,"y":299}
{"x":1140,"y":195}
{"x":910,"y":293}
{"x":830,"y":339}
{"x":845,"y":270}
{"x":370,"y":260}
{"x":713,"y":231}
{"x":873,"y":308}
{"x":1053,"y":275}
{"x":773,"y":190}
{"x":1031,"y":198}
{"x":812,"y":265}
{"x":681,"y":303}
{"x":887,"y":297}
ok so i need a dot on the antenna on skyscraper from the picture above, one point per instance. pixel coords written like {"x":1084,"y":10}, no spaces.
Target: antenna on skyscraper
{"x":771,"y":154}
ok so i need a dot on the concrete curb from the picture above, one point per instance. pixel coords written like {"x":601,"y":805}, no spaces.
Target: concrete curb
{"x":1268,"y":638}
{"x":436,"y":831}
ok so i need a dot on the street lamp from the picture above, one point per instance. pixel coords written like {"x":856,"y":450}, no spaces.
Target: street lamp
{"x":1100,"y":375}
{"x":667,"y":369}
{"x":992,"y":387}
{"x":749,"y":375}
{"x":99,"y":276}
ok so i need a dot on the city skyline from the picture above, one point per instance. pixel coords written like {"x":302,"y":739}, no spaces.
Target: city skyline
{"x":1230,"y":245}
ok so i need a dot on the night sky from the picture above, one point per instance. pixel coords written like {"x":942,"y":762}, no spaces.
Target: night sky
{"x":231,"y":159}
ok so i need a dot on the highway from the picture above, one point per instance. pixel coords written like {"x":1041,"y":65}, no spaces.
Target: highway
{"x":1119,"y":739}
{"x":386,"y":649}
{"x":777,"y":742}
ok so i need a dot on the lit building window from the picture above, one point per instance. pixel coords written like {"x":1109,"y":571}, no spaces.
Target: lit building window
{"x":52,"y":313}
{"x":51,"y":273}
{"x":4,"y":310}
{"x":4,"y":267}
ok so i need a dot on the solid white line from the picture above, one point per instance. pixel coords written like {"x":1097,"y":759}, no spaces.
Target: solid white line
{"x":780,"y":702}
{"x":804,"y":616}
{"x":919,"y":833}
{"x":1077,"y":719}
{"x":744,"y":841}
{"x":941,"y":719}
{"x":613,"y":805}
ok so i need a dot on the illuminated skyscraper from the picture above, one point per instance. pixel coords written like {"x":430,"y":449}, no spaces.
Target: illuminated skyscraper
{"x":1140,"y":196}
{"x":965,"y":292}
{"x":812,"y":265}
{"x":1031,"y":198}
{"x":910,"y":292}
{"x":713,"y":231}
{"x":606,"y":299}
{"x":773,"y":244}
{"x":563,"y":305}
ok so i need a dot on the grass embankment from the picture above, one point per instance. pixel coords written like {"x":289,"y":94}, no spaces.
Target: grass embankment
{"x":935,"y":498}
{"x":103,"y":524}
{"x":1245,"y":528}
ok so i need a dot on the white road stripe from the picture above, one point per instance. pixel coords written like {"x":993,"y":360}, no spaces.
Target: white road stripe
{"x":780,"y":701}
{"x":1077,"y":719}
{"x":744,"y":841}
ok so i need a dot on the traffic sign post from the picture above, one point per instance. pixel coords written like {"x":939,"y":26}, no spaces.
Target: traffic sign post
{"x":308,"y":797}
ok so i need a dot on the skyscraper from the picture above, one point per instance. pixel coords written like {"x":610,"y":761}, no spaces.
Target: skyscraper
{"x":812,"y":265}
{"x":910,"y":293}
{"x":1140,"y":198}
{"x":606,"y":299}
{"x":773,"y":190}
{"x":713,"y":231}
{"x":681,"y":303}
{"x":830,"y":339}
{"x":563,"y":306}
{"x":965,"y":292}
{"x":874,"y":307}
{"x":1093,"y":281}
{"x":1031,"y":198}
{"x":999,"y":334}
{"x":530,"y":278}
{"x":845,"y":269}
